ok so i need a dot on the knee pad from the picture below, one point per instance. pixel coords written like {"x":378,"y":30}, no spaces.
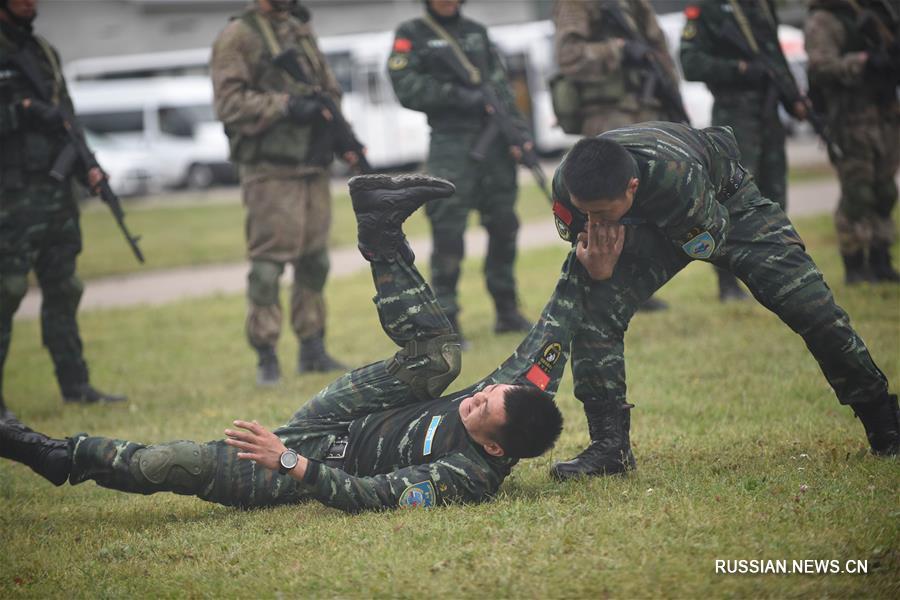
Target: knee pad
{"x":12,"y":290}
{"x":262,"y":282}
{"x":177,"y":466}
{"x":311,"y":270}
{"x":428,"y":366}
{"x":66,"y":291}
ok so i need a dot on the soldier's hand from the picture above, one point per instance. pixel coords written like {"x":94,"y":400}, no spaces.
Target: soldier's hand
{"x":599,"y":247}
{"x":43,"y":112}
{"x":800,"y":109}
{"x":634,"y":53}
{"x":304,"y":109}
{"x":94,"y":177}
{"x":255,"y":442}
{"x":752,"y":72}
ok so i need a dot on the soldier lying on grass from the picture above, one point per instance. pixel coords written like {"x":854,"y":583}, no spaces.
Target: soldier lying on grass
{"x":377,"y":437}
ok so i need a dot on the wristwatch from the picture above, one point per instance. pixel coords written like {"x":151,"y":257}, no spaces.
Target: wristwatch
{"x":287,"y":461}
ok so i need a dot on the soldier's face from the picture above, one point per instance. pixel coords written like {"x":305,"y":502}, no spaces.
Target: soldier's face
{"x":608,"y":210}
{"x":445,"y":8}
{"x":483,"y":413}
{"x":23,"y":9}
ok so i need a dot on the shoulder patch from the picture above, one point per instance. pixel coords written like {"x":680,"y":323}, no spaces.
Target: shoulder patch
{"x":397,"y":62}
{"x":700,"y":246}
{"x":692,"y":11}
{"x":689,"y":32}
{"x":418,"y":495}
{"x":402,"y":45}
{"x":429,"y":435}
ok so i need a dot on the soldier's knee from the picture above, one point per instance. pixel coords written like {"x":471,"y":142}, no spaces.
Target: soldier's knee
{"x":12,"y":290}
{"x":66,"y":291}
{"x":311,"y":270}
{"x":428,"y":366}
{"x":885,"y":197}
{"x":182,"y":467}
{"x":262,"y":282}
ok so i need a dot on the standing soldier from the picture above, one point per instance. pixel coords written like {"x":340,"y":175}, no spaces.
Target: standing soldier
{"x":438,"y":66}
{"x":733,"y":47}
{"x":854,"y":70}
{"x":39,"y":222}
{"x":615,"y":54}
{"x":282,"y":142}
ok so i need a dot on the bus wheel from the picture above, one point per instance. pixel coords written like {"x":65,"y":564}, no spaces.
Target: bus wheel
{"x":199,"y":177}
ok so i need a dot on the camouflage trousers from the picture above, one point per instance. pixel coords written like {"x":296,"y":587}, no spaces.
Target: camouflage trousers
{"x":39,"y":230}
{"x":763,"y":250}
{"x":760,"y":137}
{"x":408,"y":311}
{"x":867,"y":174}
{"x":600,"y":119}
{"x":488,"y":187}
{"x":288,"y":220}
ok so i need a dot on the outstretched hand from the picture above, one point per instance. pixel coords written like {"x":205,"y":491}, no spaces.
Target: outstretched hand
{"x":256,"y":443}
{"x":598,"y":249}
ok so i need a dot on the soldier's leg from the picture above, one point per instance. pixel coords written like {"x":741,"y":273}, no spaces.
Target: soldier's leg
{"x":598,"y":362}
{"x":765,"y":251}
{"x":62,"y":289}
{"x":448,"y":158}
{"x":853,"y":217}
{"x":885,"y":189}
{"x":496,"y":200}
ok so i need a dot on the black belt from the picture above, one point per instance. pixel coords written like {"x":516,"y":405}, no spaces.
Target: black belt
{"x":334,"y":457}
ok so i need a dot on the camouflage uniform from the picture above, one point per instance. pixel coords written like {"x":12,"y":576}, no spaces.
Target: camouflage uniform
{"x":283,"y":167}
{"x":589,"y":52}
{"x":39,"y":220}
{"x":391,"y":458}
{"x":423,"y":82}
{"x":746,"y":102}
{"x":699,"y":204}
{"x":863,"y":114}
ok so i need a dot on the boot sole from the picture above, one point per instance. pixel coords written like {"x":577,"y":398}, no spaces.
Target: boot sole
{"x":365,"y":183}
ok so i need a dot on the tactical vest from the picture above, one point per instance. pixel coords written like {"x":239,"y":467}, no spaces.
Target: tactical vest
{"x":285,"y":142}
{"x":28,"y":149}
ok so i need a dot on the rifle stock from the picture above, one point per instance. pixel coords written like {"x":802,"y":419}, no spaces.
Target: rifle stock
{"x":287,"y":61}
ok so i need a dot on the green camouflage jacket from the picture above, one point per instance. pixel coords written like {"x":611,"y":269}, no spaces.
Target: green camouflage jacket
{"x":423,"y":81}
{"x":684,"y":176}
{"x":708,"y":55}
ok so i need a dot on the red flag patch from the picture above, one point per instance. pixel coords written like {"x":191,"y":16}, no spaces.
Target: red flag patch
{"x":692,"y":11}
{"x":402,"y":45}
{"x":562,"y":212}
{"x":538,"y":377}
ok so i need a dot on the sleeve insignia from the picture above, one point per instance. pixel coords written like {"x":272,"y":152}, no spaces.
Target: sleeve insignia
{"x":418,"y":495}
{"x":402,"y":45}
{"x":690,"y":31}
{"x":397,"y":62}
{"x":700,"y":246}
{"x":692,"y":11}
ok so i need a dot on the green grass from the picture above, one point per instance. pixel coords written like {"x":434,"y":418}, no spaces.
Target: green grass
{"x":743,"y":453}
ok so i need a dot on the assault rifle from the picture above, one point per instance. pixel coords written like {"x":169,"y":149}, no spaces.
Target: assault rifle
{"x":346,"y":138}
{"x":500,"y":122}
{"x":788,"y":90}
{"x":657,"y":83}
{"x":77,"y":148}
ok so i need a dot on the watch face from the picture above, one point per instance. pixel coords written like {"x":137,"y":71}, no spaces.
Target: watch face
{"x":288,"y":460}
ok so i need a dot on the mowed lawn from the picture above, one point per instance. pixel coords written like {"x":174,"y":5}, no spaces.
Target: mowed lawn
{"x":743,"y":453}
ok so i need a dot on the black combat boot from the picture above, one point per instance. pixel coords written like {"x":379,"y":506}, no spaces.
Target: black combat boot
{"x":609,"y":452}
{"x":49,"y":458}
{"x":314,"y":358}
{"x":85,"y":393}
{"x":383,"y":202}
{"x":880,"y":264}
{"x":653,"y":304}
{"x":855,"y":268}
{"x":881,"y":420}
{"x":509,"y":319}
{"x":268,"y":371}
{"x":729,"y":288}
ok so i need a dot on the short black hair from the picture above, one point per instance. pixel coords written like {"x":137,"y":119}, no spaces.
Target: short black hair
{"x":533,"y":422}
{"x":597,"y":169}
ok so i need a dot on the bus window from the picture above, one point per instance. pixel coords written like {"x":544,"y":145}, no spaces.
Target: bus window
{"x":180,"y":120}
{"x":131,"y":121}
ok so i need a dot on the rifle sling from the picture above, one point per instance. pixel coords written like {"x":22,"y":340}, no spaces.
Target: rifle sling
{"x":744,"y":24}
{"x":472,"y":70}
{"x":268,"y":35}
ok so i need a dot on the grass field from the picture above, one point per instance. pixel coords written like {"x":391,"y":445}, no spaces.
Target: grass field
{"x":743,"y":453}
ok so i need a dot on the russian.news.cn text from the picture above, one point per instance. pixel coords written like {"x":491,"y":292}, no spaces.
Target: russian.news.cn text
{"x":807,"y":566}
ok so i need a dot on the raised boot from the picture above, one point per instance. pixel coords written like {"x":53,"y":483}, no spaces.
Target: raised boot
{"x":383,"y":202}
{"x":314,"y":358}
{"x":880,"y":264}
{"x":729,"y":288}
{"x":268,"y":371}
{"x":49,"y":458}
{"x":85,"y":393}
{"x":881,"y":419}
{"x":609,"y":452}
{"x":855,"y":268}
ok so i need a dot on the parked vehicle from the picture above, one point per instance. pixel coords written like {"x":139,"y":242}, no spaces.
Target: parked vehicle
{"x":170,"y":118}
{"x":131,"y":171}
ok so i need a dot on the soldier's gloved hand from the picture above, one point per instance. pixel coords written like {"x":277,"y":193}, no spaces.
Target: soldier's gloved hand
{"x":634,"y":53}
{"x":43,"y":112}
{"x":880,"y":63}
{"x":752,"y":72}
{"x":470,"y":98}
{"x":303,"y":109}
